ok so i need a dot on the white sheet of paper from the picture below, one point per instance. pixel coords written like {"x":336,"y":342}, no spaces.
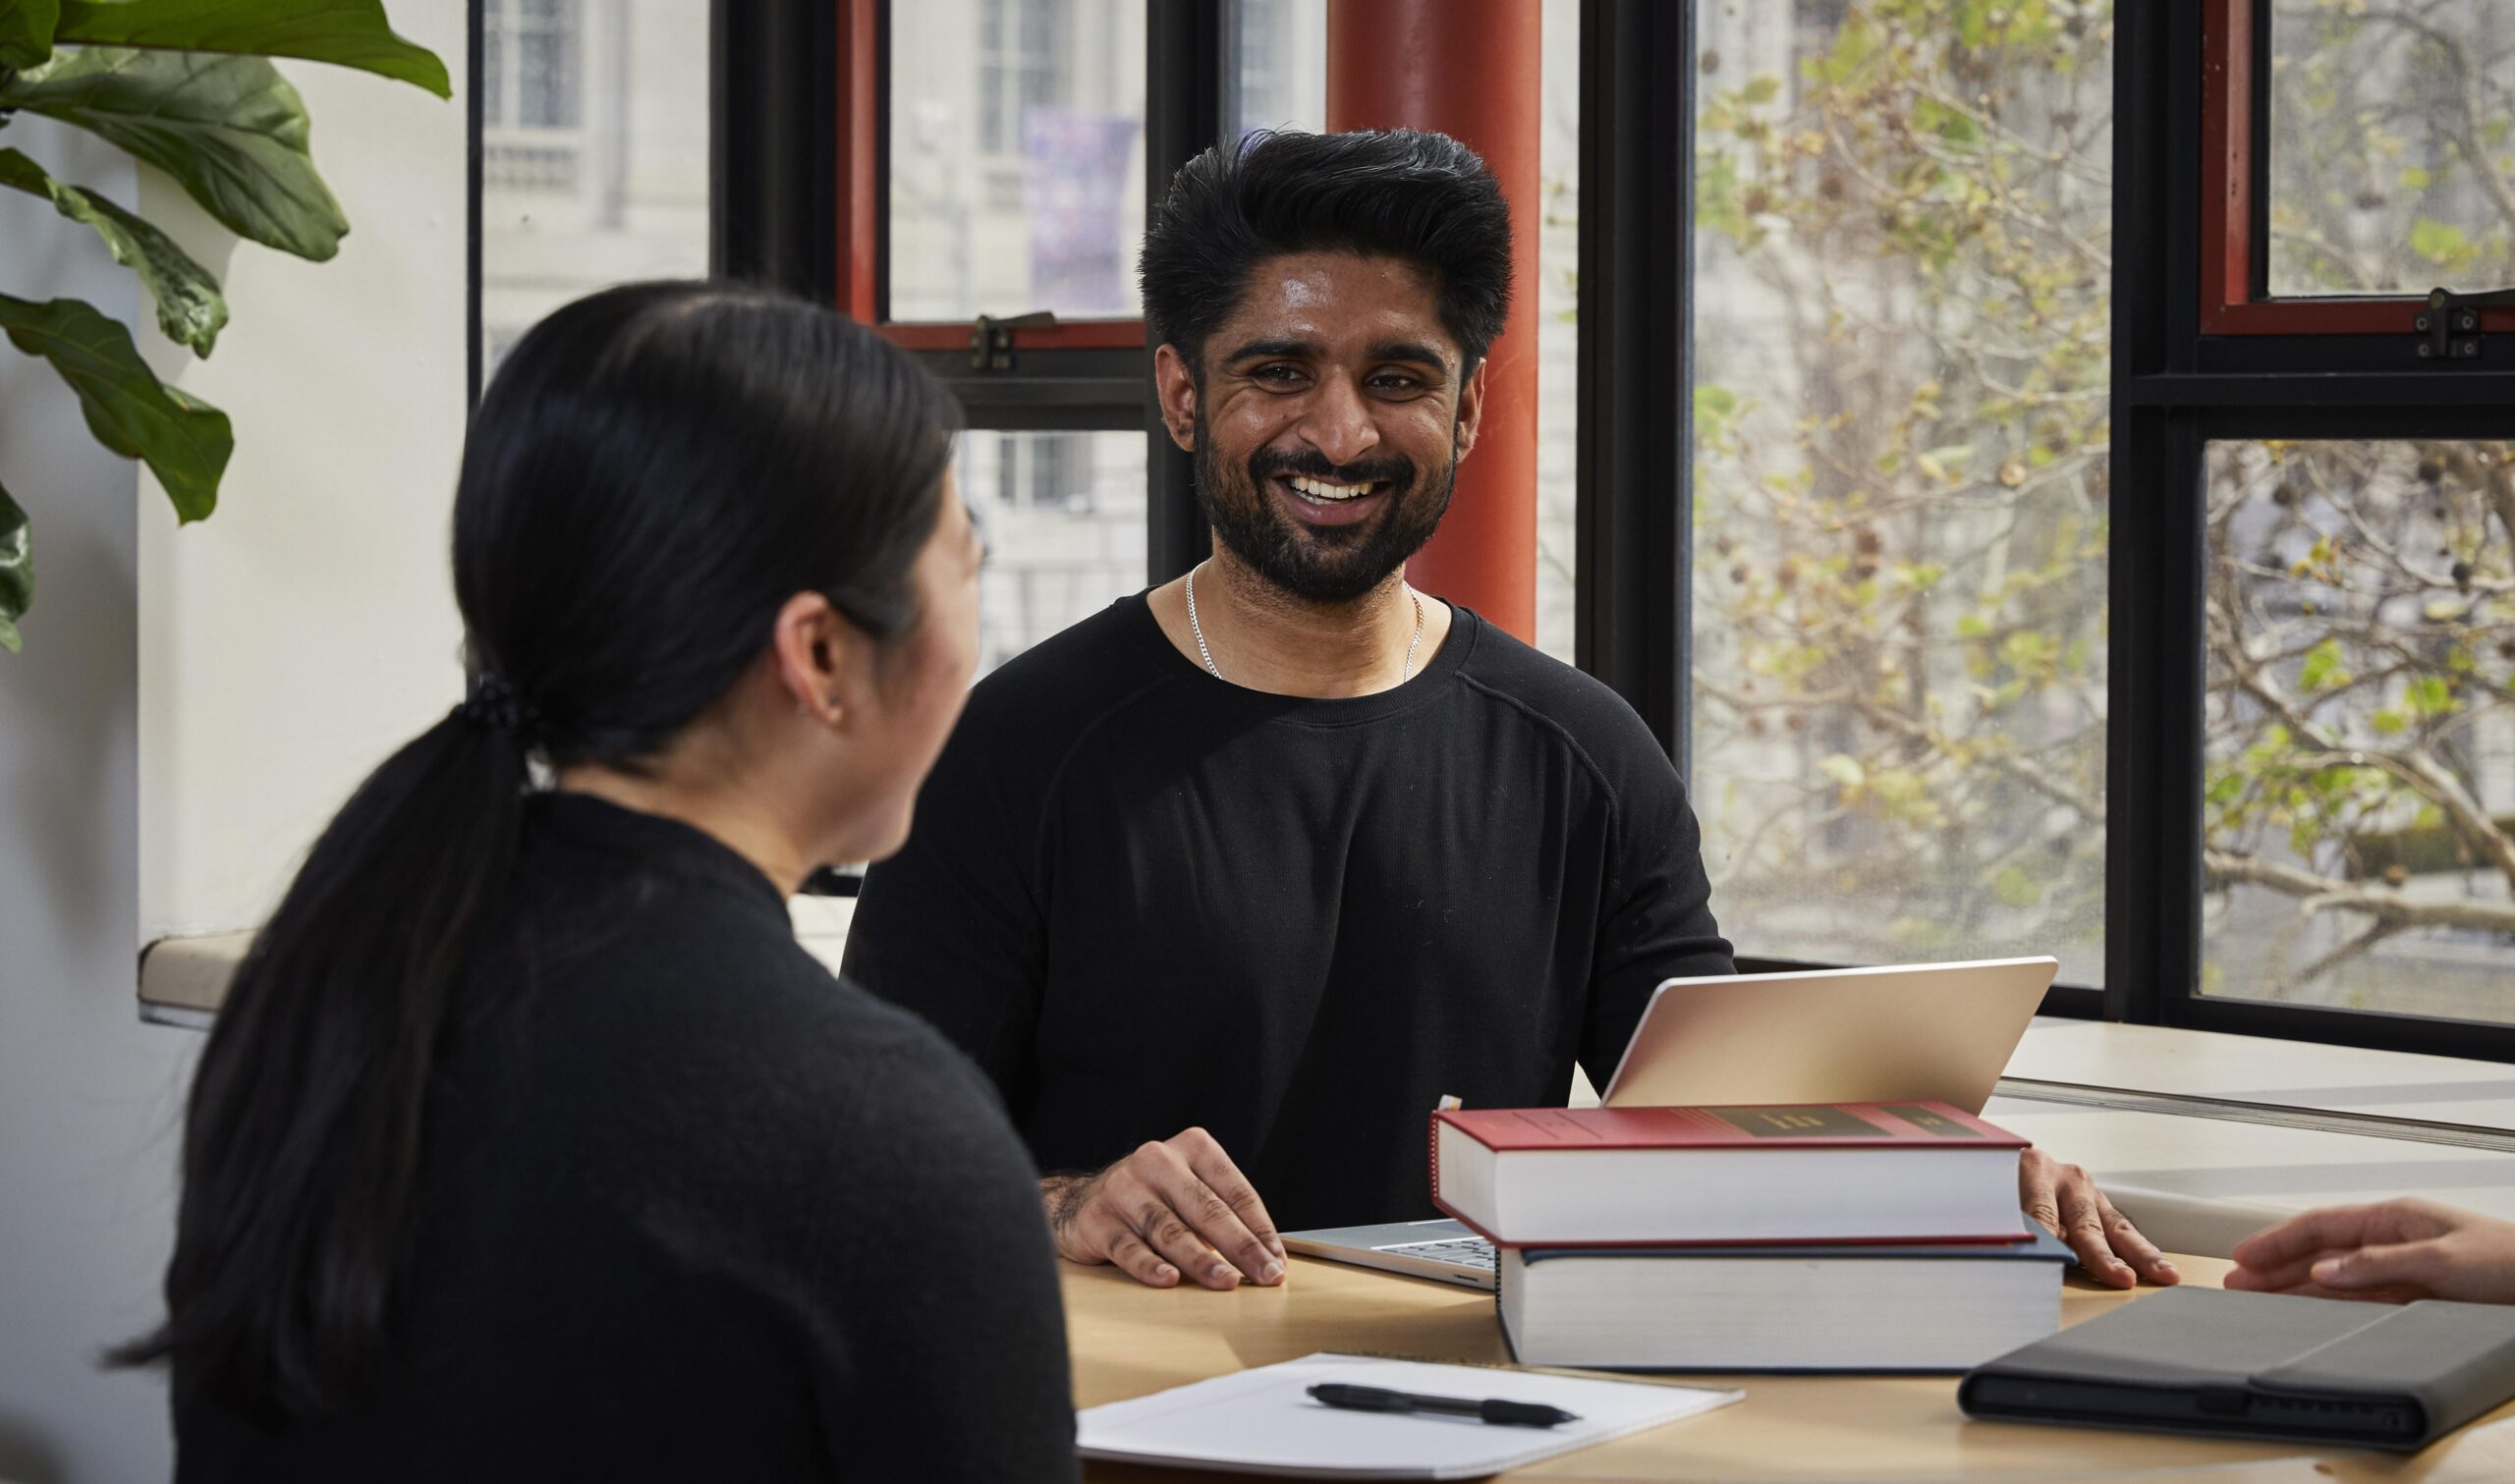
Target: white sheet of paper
{"x":1263,"y":1422}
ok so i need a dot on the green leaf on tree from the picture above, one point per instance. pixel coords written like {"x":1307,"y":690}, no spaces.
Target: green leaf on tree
{"x":190,"y":309}
{"x":2390,"y":722}
{"x":2429,"y":696}
{"x":2325,"y":668}
{"x":26,"y":39}
{"x":344,"y":32}
{"x":1760,"y":91}
{"x":183,"y":441}
{"x":2015,"y":888}
{"x":17,"y":571}
{"x":229,"y":130}
{"x":2441,"y":244}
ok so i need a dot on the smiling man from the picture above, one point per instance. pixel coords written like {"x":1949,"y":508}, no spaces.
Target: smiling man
{"x":1228,"y":885}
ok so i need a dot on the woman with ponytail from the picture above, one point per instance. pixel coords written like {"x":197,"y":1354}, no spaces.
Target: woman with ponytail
{"x":529,"y":1144}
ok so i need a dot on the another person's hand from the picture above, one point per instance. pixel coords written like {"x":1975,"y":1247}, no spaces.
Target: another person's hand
{"x":2392,"y":1252}
{"x":1177,"y":1206}
{"x":2064,"y":1201}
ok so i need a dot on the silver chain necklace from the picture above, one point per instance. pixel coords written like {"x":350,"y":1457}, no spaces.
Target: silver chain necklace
{"x":1207,"y":655}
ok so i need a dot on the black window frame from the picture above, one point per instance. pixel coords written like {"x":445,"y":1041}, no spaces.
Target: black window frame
{"x":2175,"y":389}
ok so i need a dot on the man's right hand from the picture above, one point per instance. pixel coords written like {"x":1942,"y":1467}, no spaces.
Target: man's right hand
{"x":1176,"y":1206}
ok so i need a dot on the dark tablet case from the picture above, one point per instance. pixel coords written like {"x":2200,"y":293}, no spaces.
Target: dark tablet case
{"x":2261,"y":1366}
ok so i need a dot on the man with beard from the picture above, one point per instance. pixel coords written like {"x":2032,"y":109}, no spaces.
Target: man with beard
{"x":1283,"y":852}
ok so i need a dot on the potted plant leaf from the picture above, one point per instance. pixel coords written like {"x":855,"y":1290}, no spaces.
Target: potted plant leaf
{"x":187,"y":87}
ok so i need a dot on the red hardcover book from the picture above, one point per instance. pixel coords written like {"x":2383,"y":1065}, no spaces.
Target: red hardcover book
{"x":1802,"y":1172}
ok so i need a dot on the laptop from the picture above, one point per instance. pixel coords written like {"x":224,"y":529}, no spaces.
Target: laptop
{"x":1905,"y":1033}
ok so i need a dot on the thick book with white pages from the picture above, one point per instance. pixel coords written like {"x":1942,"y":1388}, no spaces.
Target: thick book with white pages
{"x":1937,"y":1308}
{"x":1833,"y":1173}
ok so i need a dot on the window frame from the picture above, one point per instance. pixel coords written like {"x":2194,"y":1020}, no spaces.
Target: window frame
{"x":2183,"y":378}
{"x":1081,"y":376}
{"x":2235,"y":191}
{"x":2191,"y":364}
{"x":2198,"y":354}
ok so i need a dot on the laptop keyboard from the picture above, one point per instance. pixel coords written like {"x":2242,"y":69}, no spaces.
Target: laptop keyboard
{"x":1465,"y":1251}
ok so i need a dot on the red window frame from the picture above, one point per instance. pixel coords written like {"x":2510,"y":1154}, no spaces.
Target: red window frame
{"x":860,"y":205}
{"x":2231,"y":302}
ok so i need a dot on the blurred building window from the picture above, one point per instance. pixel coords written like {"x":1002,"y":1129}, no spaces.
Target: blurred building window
{"x":1016,"y":157}
{"x":594,"y":166}
{"x":1064,"y":520}
{"x":1275,"y":69}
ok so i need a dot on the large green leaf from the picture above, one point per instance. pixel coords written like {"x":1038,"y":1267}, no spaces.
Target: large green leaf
{"x":184,"y":440}
{"x":189,"y":308}
{"x":17,"y":571}
{"x":229,"y":130}
{"x":345,"y":33}
{"x":26,"y":31}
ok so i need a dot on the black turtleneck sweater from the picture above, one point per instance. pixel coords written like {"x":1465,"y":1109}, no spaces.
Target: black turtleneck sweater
{"x":694,"y":1209}
{"x":1145,"y":899}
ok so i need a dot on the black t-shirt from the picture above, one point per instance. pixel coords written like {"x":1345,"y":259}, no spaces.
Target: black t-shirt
{"x":694,"y":1209}
{"x":1143,"y":898}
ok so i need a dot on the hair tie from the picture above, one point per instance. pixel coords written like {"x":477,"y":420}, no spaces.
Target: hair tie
{"x":492,"y":704}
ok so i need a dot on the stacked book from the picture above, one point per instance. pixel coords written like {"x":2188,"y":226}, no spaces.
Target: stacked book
{"x":1847,"y":1236}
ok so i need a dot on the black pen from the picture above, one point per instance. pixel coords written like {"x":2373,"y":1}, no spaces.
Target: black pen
{"x":1371,"y":1398}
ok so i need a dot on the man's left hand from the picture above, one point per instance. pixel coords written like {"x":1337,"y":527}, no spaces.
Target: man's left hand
{"x":2063,"y":1199}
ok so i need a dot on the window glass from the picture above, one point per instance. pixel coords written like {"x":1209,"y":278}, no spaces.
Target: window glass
{"x":1558,"y":330}
{"x":2392,"y":169}
{"x":1277,"y":68}
{"x":594,"y":152}
{"x":1279,"y":63}
{"x":2359,"y":804}
{"x":1903,"y":209}
{"x":1063,"y":514}
{"x":1016,"y":159}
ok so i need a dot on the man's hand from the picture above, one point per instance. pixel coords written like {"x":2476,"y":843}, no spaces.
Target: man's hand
{"x":1173,"y":1207}
{"x":2394,"y":1252}
{"x":2064,"y":1200}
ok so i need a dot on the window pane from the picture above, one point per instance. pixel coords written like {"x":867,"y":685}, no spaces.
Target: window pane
{"x":1063,"y":515}
{"x":1558,"y":331}
{"x":2391,"y":166}
{"x":2360,"y":794}
{"x":1901,"y":349}
{"x":1278,"y":67}
{"x":1017,"y":158}
{"x":602,"y":175}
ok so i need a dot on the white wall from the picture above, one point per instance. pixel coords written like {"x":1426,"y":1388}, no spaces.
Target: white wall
{"x":291,"y":642}
{"x":191,"y":704}
{"x":86,"y":1093}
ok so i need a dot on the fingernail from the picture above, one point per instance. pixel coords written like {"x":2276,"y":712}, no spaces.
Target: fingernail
{"x":1164,"y":1271}
{"x":1225,"y":1274}
{"x":2169,"y":1269}
{"x":2326,"y":1270}
{"x":1275,"y":1273}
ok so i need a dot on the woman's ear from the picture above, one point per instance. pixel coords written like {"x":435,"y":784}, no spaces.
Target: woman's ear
{"x":822,"y":661}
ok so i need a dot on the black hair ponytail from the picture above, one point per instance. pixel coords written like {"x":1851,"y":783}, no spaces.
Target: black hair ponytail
{"x":655,"y":471}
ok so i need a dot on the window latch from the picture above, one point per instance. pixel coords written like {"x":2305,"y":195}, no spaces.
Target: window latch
{"x":991,"y":339}
{"x":2449,"y":326}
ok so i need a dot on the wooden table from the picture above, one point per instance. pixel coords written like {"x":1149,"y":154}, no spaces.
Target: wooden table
{"x":1128,"y":1340}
